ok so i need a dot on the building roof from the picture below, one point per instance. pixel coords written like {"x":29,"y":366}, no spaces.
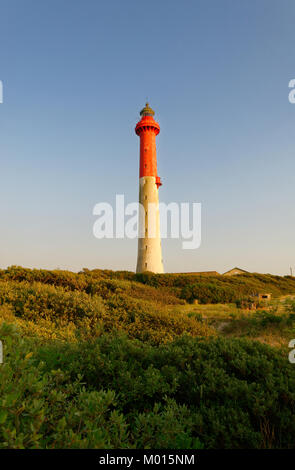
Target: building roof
{"x":236,"y":269}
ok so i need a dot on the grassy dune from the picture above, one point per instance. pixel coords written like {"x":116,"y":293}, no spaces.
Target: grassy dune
{"x":109,"y":359}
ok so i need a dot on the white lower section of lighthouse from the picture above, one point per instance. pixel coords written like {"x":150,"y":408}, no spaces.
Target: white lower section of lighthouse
{"x":149,"y":256}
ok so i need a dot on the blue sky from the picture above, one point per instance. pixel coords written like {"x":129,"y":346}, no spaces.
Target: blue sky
{"x":75,"y":75}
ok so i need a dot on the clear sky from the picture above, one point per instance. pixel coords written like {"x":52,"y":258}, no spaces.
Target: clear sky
{"x":76,"y":74}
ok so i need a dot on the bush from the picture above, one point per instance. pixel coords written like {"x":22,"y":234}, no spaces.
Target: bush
{"x":36,"y":300}
{"x":223,"y":393}
{"x":163,"y":288}
{"x":101,"y":361}
{"x":90,"y":313}
{"x":208,"y":292}
{"x":45,"y":407}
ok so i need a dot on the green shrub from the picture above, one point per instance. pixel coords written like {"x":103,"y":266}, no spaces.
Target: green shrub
{"x":36,"y":300}
{"x":44,"y":407}
{"x":163,"y":288}
{"x":239,"y":394}
{"x":148,"y":375}
{"x":208,"y":292}
{"x":91,"y":313}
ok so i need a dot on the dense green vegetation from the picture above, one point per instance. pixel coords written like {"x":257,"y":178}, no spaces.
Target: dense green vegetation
{"x":103,"y":359}
{"x":163,"y":288}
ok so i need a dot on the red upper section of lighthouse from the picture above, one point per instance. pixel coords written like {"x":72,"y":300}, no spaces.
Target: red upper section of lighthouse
{"x":147,"y":129}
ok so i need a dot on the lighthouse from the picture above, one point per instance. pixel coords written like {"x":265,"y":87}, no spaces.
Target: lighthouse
{"x":149,"y":256}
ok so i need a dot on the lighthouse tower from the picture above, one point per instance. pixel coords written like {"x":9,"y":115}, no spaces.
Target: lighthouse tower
{"x":149,"y":256}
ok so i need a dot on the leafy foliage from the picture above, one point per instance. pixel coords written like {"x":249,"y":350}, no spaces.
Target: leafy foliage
{"x":97,"y":360}
{"x":162,"y":288}
{"x":92,"y":313}
{"x":115,"y":392}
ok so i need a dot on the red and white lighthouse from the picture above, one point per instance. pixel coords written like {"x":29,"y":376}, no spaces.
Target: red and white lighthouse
{"x":149,"y":243}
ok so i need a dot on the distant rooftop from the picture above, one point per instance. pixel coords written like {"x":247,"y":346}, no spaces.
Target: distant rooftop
{"x":234,"y":271}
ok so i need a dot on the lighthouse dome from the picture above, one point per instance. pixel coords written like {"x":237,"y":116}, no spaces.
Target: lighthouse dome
{"x":147,"y":111}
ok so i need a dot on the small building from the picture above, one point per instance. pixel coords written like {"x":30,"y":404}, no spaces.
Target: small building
{"x":235,"y":271}
{"x":263,"y":296}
